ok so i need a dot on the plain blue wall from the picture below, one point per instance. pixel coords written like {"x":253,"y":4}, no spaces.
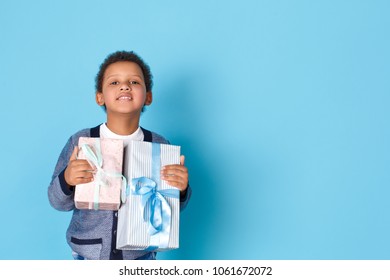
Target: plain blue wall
{"x":281,"y":108}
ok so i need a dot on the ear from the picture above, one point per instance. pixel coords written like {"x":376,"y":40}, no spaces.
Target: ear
{"x":149,"y":98}
{"x":99,"y":98}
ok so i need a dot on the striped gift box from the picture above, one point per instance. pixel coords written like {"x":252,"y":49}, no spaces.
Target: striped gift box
{"x":144,"y":220}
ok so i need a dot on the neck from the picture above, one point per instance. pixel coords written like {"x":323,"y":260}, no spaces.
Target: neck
{"x":122,"y":125}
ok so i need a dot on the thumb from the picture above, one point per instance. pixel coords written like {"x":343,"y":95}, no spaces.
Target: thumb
{"x":74,"y":154}
{"x":182,"y":158}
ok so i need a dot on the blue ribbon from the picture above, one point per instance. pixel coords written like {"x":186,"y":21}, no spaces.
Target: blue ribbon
{"x":159,"y":214}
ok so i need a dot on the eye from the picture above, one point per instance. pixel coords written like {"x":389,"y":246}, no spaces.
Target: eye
{"x":114,"y":83}
{"x":134,"y":83}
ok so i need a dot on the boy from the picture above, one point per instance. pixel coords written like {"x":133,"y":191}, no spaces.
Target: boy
{"x":123,"y":87}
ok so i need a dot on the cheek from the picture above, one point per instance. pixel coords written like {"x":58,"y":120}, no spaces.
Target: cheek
{"x":140,"y":92}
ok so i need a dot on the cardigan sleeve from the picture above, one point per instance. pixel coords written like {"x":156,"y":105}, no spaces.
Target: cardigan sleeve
{"x":184,"y":199}
{"x":61,"y":197}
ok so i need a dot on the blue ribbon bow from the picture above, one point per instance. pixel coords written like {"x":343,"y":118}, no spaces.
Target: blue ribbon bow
{"x":159,"y":209}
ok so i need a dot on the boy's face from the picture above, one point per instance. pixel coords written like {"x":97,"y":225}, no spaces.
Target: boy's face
{"x":123,"y":89}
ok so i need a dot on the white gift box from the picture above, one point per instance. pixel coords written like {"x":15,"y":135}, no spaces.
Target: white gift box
{"x":148,"y":219}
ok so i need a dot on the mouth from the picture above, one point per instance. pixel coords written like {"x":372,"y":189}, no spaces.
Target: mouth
{"x":125,"y":97}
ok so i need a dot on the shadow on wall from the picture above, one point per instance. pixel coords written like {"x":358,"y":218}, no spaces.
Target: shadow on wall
{"x":184,"y":106}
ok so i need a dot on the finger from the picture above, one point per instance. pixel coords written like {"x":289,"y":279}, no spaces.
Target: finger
{"x":84,"y":164}
{"x":169,"y":172}
{"x":173,"y":167}
{"x":73,"y":172}
{"x":84,"y":179}
{"x":81,"y":165}
{"x":74,"y":154}
{"x":173,"y":178}
{"x":176,"y":177}
{"x":182,"y":158}
{"x":74,"y":177}
{"x":83,"y":174}
{"x":177,"y":182}
{"x":79,"y":181}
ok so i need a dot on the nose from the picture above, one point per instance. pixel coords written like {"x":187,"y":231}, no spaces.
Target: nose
{"x":125,"y":87}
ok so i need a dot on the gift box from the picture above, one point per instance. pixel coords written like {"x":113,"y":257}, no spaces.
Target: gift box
{"x":106,"y":157}
{"x":149,"y":216}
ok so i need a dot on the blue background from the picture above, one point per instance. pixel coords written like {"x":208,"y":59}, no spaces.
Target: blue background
{"x":281,"y":108}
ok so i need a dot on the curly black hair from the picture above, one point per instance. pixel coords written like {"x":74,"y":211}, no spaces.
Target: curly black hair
{"x":124,"y":56}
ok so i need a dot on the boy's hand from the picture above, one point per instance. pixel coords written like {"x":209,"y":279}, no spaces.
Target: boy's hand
{"x":176,"y":175}
{"x":78,"y":171}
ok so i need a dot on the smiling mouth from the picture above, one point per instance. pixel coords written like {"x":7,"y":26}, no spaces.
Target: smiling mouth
{"x":125,"y":98}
